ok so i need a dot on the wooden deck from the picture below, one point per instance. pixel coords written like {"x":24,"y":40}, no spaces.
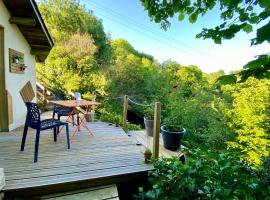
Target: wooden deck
{"x":108,"y":157}
{"x":140,"y":137}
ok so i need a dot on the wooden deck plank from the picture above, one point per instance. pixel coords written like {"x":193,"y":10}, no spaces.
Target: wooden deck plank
{"x":108,"y":155}
{"x":147,"y":141}
{"x":97,"y":193}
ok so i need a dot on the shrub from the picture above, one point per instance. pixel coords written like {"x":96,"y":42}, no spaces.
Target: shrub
{"x":248,"y":118}
{"x":201,"y":116}
{"x":207,"y":175}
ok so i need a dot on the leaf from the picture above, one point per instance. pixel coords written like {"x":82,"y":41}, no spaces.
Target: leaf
{"x":247,"y":28}
{"x":193,"y":17}
{"x":217,"y":40}
{"x":260,"y":61}
{"x":181,"y":16}
{"x":265,"y":4}
{"x":157,"y":18}
{"x":254,"y":19}
{"x":263,"y":34}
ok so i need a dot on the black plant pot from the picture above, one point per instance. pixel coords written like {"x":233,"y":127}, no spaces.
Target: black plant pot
{"x":172,"y":140}
{"x":149,"y":126}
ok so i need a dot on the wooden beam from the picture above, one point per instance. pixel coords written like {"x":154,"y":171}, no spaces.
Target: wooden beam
{"x":156,"y":130}
{"x":23,"y":21}
{"x":41,"y":22}
{"x":39,"y":51}
{"x":3,"y":93}
{"x":2,"y":178}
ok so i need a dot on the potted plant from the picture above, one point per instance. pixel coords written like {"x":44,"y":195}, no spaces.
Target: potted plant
{"x":149,"y":121}
{"x":147,"y":155}
{"x":172,"y":133}
{"x":16,"y":59}
{"x":117,"y":120}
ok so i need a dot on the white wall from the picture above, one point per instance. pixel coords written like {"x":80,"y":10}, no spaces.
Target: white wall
{"x":14,"y":82}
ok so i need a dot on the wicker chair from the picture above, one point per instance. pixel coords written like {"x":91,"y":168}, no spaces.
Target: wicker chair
{"x":33,"y":121}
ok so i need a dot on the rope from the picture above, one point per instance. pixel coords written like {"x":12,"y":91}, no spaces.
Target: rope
{"x":140,"y":104}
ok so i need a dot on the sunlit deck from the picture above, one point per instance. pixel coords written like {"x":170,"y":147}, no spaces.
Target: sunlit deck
{"x":109,"y":156}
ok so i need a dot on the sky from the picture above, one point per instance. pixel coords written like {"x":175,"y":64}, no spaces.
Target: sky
{"x":127,"y":19}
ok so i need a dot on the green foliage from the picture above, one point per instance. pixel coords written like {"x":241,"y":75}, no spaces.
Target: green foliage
{"x":71,"y":66}
{"x":200,"y":114}
{"x":227,"y":79}
{"x":65,"y":17}
{"x":248,"y":118}
{"x":132,"y":127}
{"x":148,"y":113}
{"x":42,"y":105}
{"x":236,"y":16}
{"x":207,"y":175}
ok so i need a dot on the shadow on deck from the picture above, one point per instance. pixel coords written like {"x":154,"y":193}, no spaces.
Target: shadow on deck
{"x":108,"y":157}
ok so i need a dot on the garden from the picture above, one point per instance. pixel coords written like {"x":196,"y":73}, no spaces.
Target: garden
{"x":226,"y":117}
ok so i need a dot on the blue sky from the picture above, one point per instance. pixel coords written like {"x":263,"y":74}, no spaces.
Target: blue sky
{"x":127,"y":19}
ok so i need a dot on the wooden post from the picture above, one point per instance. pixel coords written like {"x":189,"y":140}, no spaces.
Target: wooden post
{"x":124,"y":118}
{"x":93,"y":108}
{"x":156,"y":130}
{"x":45,"y":97}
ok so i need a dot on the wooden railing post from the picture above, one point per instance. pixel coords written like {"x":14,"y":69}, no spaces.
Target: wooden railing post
{"x":93,"y":108}
{"x":124,"y":118}
{"x":156,"y":130}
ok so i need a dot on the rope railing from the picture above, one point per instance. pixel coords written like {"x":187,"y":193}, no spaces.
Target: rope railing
{"x":140,"y":104}
{"x":156,"y":130}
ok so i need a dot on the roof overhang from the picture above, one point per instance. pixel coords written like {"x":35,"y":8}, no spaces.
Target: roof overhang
{"x":25,"y":14}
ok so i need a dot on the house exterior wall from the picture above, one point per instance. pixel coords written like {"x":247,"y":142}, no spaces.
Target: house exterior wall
{"x":14,"y":82}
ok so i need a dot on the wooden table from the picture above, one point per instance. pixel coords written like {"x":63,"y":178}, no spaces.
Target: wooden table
{"x":74,"y":104}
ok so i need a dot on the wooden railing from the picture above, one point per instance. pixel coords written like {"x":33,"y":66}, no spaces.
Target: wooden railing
{"x":156,"y":130}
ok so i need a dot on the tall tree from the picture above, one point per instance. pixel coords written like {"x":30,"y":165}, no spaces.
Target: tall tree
{"x":65,"y":17}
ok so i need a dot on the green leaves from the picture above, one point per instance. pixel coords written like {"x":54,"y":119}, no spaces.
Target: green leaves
{"x":235,"y":15}
{"x":247,"y":28}
{"x":265,"y":4}
{"x":181,"y":16}
{"x":193,"y":17}
{"x":229,"y":179}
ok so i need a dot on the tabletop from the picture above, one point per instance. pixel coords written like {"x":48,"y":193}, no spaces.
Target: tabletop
{"x":74,"y":103}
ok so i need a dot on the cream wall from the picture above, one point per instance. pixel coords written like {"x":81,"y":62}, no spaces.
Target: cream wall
{"x":14,"y":82}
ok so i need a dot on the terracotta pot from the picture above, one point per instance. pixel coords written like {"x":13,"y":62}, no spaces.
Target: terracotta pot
{"x":147,"y":157}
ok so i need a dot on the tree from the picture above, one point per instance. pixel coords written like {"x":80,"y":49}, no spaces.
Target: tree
{"x":236,"y":15}
{"x":66,"y":17}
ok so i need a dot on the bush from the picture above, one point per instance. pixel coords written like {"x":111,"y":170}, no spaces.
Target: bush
{"x":200,"y":115}
{"x":207,"y":175}
{"x":248,"y":118}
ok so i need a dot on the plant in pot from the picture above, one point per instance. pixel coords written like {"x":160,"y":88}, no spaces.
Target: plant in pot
{"x":147,"y":155}
{"x":149,"y":120}
{"x":172,"y":133}
{"x":16,"y":59}
{"x":117,"y":120}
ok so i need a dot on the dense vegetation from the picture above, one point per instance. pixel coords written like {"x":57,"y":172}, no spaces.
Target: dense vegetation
{"x":229,"y":123}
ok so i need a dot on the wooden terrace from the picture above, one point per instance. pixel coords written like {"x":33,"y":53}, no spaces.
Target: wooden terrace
{"x":108,"y":157}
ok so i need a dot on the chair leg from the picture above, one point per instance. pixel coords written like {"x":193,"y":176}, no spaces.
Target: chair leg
{"x":67,"y":133}
{"x":73,"y":120}
{"x":53,"y":114}
{"x":24,"y":136}
{"x":58,"y":126}
{"x":36,"y":145}
{"x":55,"y":134}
